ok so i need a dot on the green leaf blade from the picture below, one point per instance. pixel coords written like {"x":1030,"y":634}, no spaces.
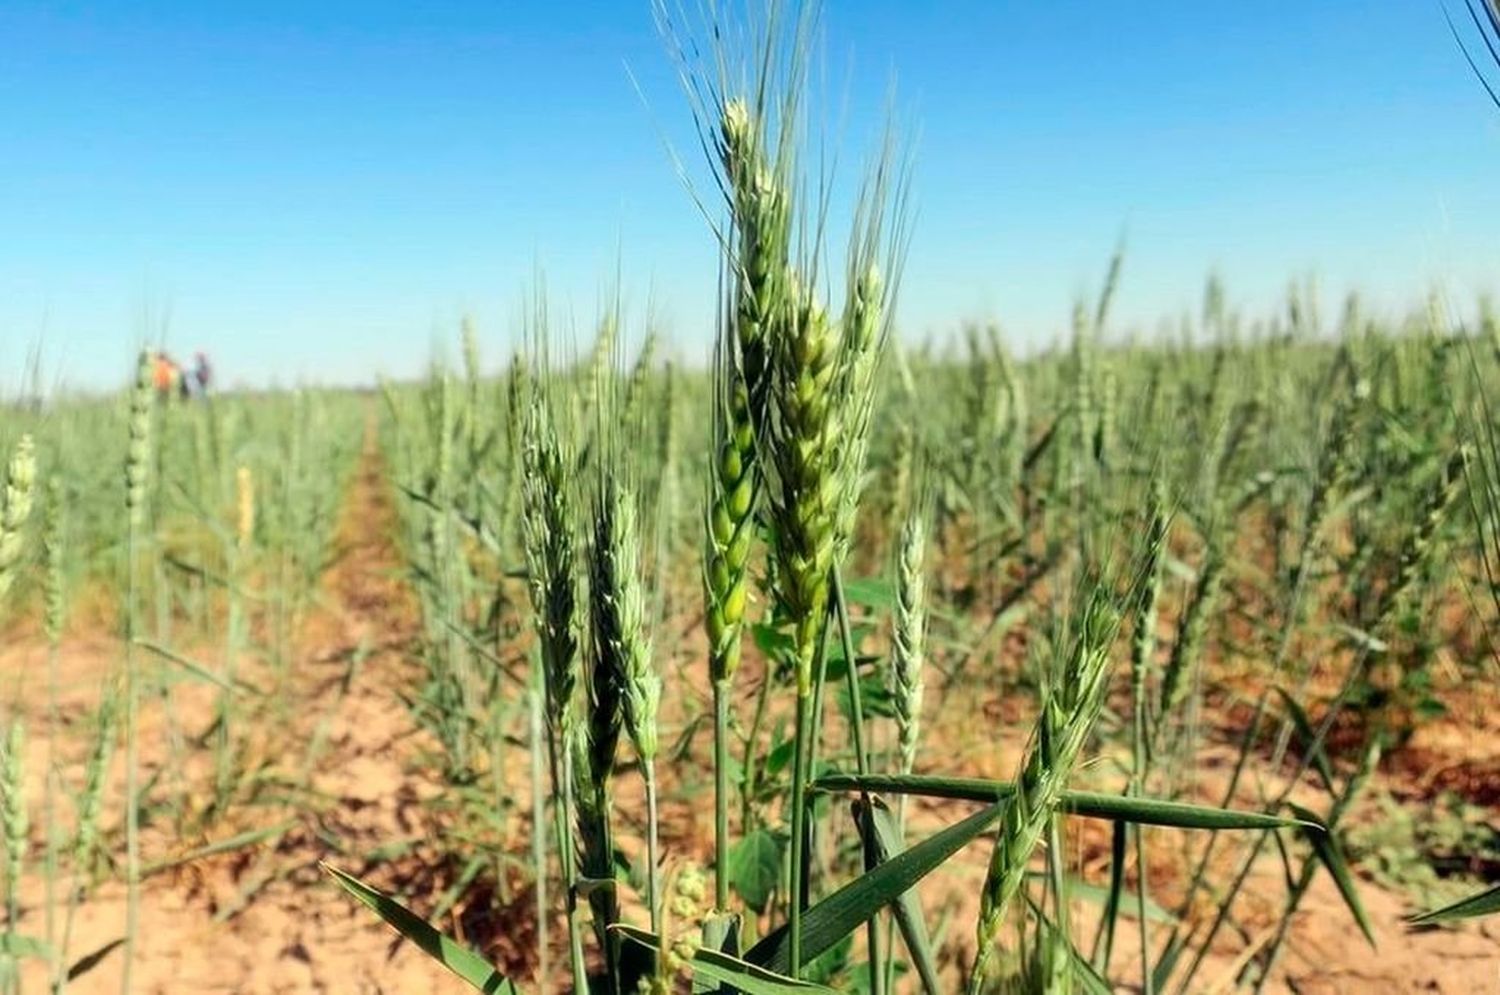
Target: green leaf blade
{"x":1091,"y":804}
{"x":839,"y":914}
{"x":462,"y":961}
{"x":1331,"y":856}
{"x":1486,"y":903}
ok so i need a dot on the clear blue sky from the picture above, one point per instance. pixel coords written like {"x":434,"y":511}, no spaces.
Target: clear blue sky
{"x":319,"y":190}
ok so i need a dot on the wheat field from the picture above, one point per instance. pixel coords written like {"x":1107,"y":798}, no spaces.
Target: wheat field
{"x":815,"y":658}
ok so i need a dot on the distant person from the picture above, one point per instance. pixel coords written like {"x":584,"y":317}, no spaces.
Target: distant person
{"x":203,"y":374}
{"x":166,"y":375}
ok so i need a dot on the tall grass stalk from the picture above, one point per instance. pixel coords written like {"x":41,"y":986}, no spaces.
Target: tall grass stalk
{"x":90,"y":807}
{"x":1069,"y":710}
{"x":1142,"y":659}
{"x":137,"y":472}
{"x":236,"y":547}
{"x":19,"y":498}
{"x":729,"y":528}
{"x":17,"y":826}
{"x":548,"y":528}
{"x":55,"y":612}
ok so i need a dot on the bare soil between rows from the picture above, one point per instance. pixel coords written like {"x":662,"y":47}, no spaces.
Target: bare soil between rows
{"x":265,"y":919}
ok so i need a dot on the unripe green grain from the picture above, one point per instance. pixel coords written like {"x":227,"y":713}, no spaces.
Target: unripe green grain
{"x":626,"y":684}
{"x":1085,"y":416}
{"x":862,"y":342}
{"x":618,"y":615}
{"x":14,"y":813}
{"x":908,"y":641}
{"x":138,"y":451}
{"x":1068,"y":715}
{"x":732,"y":487}
{"x":96,"y":775}
{"x":548,"y":530}
{"x":1189,"y":643}
{"x":441,"y":488}
{"x":602,"y":360}
{"x":1014,"y":439}
{"x":1213,"y":303}
{"x":1334,"y":465}
{"x":806,"y":500}
{"x":548,"y":522}
{"x":1104,"y":435}
{"x":666,"y":515}
{"x":1417,"y":549}
{"x":761,"y":205}
{"x":1489,"y":327}
{"x":1143,"y":643}
{"x":635,"y":416}
{"x":20,"y":488}
{"x":903,"y":459}
{"x":469,"y":338}
{"x":517,"y":394}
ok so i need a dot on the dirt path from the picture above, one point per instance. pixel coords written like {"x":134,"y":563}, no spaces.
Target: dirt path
{"x":265,"y":919}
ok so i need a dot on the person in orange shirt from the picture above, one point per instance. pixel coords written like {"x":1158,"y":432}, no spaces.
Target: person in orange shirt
{"x":166,"y":375}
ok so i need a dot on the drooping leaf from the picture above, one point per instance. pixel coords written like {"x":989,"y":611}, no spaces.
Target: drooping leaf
{"x":1331,"y":856}
{"x":839,"y":914}
{"x":457,"y":958}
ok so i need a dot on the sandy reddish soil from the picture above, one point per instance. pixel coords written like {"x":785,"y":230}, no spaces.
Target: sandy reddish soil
{"x":264,"y":919}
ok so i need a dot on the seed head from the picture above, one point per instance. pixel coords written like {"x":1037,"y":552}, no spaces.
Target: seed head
{"x":806,"y":498}
{"x":547,"y":518}
{"x":1417,"y":549}
{"x":624,"y":678}
{"x":1068,"y":715}
{"x":20,"y":487}
{"x":731,"y":505}
{"x":908,"y":641}
{"x":55,"y":579}
{"x":244,"y":493}
{"x":138,"y":453}
{"x":91,"y":801}
{"x":17,"y":824}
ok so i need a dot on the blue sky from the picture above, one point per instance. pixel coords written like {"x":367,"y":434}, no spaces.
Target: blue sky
{"x":319,"y":191}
